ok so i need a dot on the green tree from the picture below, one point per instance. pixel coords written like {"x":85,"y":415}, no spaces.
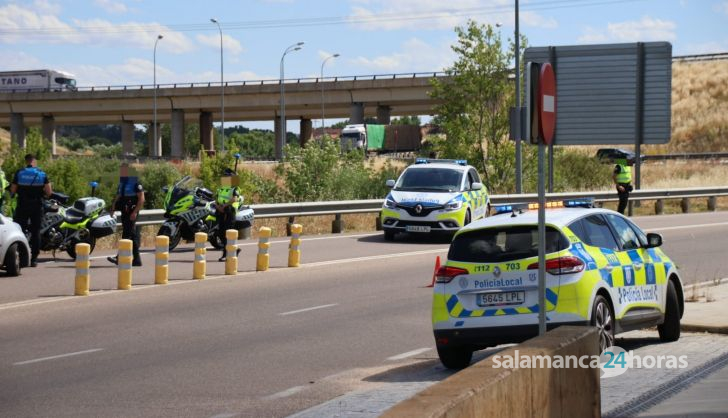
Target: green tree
{"x":407,"y":120}
{"x":476,"y":98}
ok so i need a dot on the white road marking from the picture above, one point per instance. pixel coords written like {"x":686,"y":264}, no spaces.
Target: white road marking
{"x":225,"y":415}
{"x":409,"y":354}
{"x":669,"y":228}
{"x":77,"y":353}
{"x":308,"y":309}
{"x":285,"y":393}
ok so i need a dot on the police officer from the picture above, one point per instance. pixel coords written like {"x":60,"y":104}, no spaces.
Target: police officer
{"x":129,"y":200}
{"x":227,"y":196}
{"x":622,"y":179}
{"x":31,"y":183}
{"x":3,"y":186}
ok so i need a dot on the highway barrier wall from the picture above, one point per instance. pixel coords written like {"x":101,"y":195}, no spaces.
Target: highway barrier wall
{"x":483,"y":390}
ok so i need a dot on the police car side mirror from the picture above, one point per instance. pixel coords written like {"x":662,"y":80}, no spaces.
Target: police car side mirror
{"x":390,"y":183}
{"x":654,"y":240}
{"x":477,"y":186}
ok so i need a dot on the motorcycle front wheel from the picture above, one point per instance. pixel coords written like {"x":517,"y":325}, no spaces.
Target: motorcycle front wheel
{"x":173,"y":240}
{"x":71,"y":249}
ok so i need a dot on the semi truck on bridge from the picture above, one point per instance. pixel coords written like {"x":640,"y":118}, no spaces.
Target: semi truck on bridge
{"x":381,"y":138}
{"x":36,"y":80}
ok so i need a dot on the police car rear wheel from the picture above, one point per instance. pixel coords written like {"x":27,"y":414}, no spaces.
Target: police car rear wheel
{"x":603,"y":319}
{"x":455,"y":358}
{"x":670,"y":329}
{"x":467,"y":217}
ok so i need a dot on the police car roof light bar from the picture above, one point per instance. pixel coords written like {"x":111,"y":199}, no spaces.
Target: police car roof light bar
{"x":587,"y":202}
{"x":510,"y":208}
{"x":446,"y":161}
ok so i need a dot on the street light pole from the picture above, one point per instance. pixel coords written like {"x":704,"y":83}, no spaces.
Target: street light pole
{"x":519,"y":181}
{"x":282,"y":139}
{"x":222,"y":92}
{"x":322,"y":90}
{"x":157,"y":152}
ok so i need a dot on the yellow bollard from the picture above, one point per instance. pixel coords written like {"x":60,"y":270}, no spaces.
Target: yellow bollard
{"x":231,"y":254}
{"x":294,"y":251}
{"x":263,"y":257}
{"x":161,"y":260}
{"x":83,"y":265}
{"x":124,"y":264}
{"x":200,"y":265}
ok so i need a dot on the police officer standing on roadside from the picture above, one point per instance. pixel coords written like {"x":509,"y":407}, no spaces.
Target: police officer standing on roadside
{"x":129,"y":200}
{"x":623,"y":180}
{"x":227,"y":196}
{"x":31,"y":184}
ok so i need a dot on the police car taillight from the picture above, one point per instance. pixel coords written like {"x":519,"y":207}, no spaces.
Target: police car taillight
{"x":561,"y":265}
{"x":445,"y":274}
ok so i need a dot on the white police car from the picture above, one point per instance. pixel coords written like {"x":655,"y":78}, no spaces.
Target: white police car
{"x":601,"y":270}
{"x":14,"y":248}
{"x":434,"y":196}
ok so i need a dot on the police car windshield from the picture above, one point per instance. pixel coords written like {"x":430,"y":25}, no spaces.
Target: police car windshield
{"x":495,"y":245}
{"x":430,"y":179}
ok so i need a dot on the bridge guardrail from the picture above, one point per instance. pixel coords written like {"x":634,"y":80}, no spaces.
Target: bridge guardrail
{"x":338,"y":208}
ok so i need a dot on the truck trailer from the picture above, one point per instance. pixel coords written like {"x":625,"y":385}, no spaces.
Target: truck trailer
{"x":36,"y":80}
{"x":381,"y":138}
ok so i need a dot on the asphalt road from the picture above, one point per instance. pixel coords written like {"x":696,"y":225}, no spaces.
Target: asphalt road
{"x":255,"y":344}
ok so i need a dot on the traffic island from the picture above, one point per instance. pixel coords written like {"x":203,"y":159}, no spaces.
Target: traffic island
{"x":488,"y":388}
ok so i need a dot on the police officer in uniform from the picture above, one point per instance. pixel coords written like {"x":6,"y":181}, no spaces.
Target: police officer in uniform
{"x":3,"y":186}
{"x":622,"y":179}
{"x":227,"y":196}
{"x":31,"y":184}
{"x":129,"y":200}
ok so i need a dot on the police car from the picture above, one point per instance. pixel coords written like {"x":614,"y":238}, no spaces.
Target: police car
{"x":14,"y":248}
{"x":601,"y":270}
{"x":434,"y":196}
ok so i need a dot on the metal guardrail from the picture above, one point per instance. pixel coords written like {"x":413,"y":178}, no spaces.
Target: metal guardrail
{"x":285,"y":210}
{"x":687,"y":156}
{"x":702,"y":57}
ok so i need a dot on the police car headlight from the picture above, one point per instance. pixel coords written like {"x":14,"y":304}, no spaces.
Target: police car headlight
{"x":389,"y":203}
{"x":453,"y":205}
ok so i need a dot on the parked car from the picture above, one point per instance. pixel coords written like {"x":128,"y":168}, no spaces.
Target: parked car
{"x":14,"y":248}
{"x":609,"y":155}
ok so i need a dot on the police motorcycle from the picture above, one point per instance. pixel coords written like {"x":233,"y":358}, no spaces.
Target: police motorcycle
{"x":192,"y":210}
{"x":86,"y":221}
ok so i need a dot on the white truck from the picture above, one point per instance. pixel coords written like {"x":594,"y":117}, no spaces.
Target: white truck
{"x":36,"y":80}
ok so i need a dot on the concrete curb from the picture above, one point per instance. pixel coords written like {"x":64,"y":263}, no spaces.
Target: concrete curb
{"x":707,"y":283}
{"x":712,"y":329}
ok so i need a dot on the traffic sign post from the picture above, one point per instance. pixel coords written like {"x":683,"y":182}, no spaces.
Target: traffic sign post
{"x":541,"y":124}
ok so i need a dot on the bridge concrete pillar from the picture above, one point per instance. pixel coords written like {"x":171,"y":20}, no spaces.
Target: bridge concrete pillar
{"x":48,"y":128}
{"x":155,"y":144}
{"x":306,"y":131}
{"x":17,"y":129}
{"x":384,"y":114}
{"x":178,"y":133}
{"x":127,"y":137}
{"x":206,"y":134}
{"x":357,"y":113}
{"x":277,"y":126}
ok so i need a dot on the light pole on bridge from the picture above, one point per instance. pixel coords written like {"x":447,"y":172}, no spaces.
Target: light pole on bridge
{"x":283,"y":126}
{"x":322,"y":90}
{"x":155,"y":150}
{"x":222,"y":92}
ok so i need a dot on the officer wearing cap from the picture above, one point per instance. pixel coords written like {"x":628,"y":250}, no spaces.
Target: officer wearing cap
{"x":622,"y":179}
{"x":129,"y":200}
{"x":227,"y":196}
{"x":31,"y":184}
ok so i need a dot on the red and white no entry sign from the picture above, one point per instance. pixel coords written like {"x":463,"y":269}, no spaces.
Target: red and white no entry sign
{"x":547,"y":103}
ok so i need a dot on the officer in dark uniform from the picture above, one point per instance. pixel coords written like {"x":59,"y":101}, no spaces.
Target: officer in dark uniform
{"x":129,"y":200}
{"x":227,"y":197}
{"x":31,"y":184}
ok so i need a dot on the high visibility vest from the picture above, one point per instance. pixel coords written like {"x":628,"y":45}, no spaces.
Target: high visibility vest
{"x":225,"y":195}
{"x":3,"y":182}
{"x":625,"y":172}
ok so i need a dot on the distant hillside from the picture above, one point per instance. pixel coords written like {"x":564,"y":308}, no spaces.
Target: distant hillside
{"x":699,"y":106}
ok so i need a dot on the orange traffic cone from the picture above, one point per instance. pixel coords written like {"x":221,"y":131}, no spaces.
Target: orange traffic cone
{"x":434,"y":273}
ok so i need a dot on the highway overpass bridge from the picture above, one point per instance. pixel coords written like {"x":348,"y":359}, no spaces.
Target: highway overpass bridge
{"x":354,"y":97}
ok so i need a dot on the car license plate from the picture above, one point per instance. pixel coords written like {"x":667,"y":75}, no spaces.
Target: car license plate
{"x":502,"y":298}
{"x":418,"y":228}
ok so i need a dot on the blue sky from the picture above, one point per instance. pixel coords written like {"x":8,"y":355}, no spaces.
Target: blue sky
{"x":110,"y":42}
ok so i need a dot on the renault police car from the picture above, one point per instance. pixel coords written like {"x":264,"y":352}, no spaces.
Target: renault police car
{"x":434,"y":196}
{"x":14,"y":248}
{"x":601,"y":270}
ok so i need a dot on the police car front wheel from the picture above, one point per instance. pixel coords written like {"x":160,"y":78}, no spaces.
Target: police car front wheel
{"x":455,"y":358}
{"x":669,"y":330}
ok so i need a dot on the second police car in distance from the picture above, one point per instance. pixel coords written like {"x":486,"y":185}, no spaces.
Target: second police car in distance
{"x":601,"y":270}
{"x":434,"y":196}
